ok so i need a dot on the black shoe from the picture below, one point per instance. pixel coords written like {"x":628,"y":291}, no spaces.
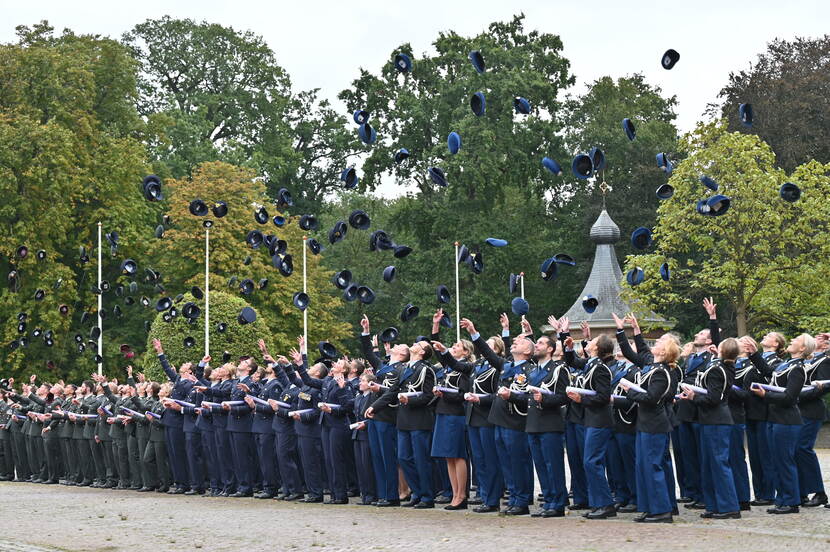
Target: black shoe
{"x":460,"y":506}
{"x":538,"y":513}
{"x":685,"y":500}
{"x":660,"y":518}
{"x":627,"y":509}
{"x":424,"y":505}
{"x":484,"y":509}
{"x":263,"y":494}
{"x":827,"y":505}
{"x":602,"y":513}
{"x":312,"y":499}
{"x":240,"y":494}
{"x":517,"y":511}
{"x":223,"y":494}
{"x":406,"y":498}
{"x":578,"y":507}
{"x":176,"y":491}
{"x":337,"y":501}
{"x":292,"y":497}
{"x":50,"y":482}
{"x":475,"y":501}
{"x":675,"y":511}
{"x":817,"y":500}
{"x":761,"y":502}
{"x":162,"y":489}
{"x":410,"y":504}
{"x":783,"y":510}
{"x":727,"y":515}
{"x":641,"y":517}
{"x":192,"y":492}
{"x":695,"y":506}
{"x":553,"y":513}
{"x":707,"y":515}
{"x":443,"y":500}
{"x":746,"y":507}
{"x":383,"y":503}
{"x":146,"y":489}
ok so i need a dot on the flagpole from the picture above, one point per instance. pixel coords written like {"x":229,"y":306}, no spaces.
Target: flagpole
{"x":100,"y":306}
{"x":522,"y":281}
{"x":305,"y":290}
{"x":457,"y":298}
{"x":207,"y":291}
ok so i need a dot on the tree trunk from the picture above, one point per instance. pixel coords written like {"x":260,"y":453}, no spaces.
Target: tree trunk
{"x":740,"y":315}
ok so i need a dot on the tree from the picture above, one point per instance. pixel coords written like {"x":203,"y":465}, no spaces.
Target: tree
{"x":787,"y":87}
{"x":764,"y":256}
{"x":179,"y":255}
{"x":69,"y":156}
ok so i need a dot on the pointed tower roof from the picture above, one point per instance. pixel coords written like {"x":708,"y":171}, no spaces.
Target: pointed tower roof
{"x":604,"y":281}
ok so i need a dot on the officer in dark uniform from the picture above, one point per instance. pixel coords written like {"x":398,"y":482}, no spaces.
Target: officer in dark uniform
{"x":155,"y":456}
{"x":283,"y":400}
{"x":622,"y":447}
{"x":192,"y":434}
{"x":240,"y":420}
{"x":104,"y":409}
{"x":306,"y":424}
{"x":263,"y":428}
{"x":205,"y":426}
{"x":813,"y":412}
{"x":360,"y":440}
{"x":220,"y":390}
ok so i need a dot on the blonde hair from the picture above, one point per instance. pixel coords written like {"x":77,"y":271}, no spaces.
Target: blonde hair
{"x":809,"y":343}
{"x":729,"y":349}
{"x":498,"y":345}
{"x":751,"y":340}
{"x":469,"y":350}
{"x":671,"y":352}
{"x":780,"y":342}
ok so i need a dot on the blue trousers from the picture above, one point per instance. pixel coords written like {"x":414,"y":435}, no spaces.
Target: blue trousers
{"x":784,"y":441}
{"x":286,"y":451}
{"x":365,"y":475}
{"x":177,"y":455}
{"x":486,"y":462}
{"x":242,"y":453}
{"x":223,"y":454}
{"x":414,"y":458}
{"x":549,"y":457}
{"x":737,"y":461}
{"x":668,"y":468}
{"x":440,"y":477}
{"x":575,"y":445}
{"x":311,"y":455}
{"x":652,"y":477}
{"x":336,"y":442}
{"x":679,"y":466}
{"x":596,"y":446}
{"x":809,"y":471}
{"x":383,"y":444}
{"x":759,"y":455}
{"x":621,"y":470}
{"x":211,"y":460}
{"x":514,"y":453}
{"x":267,"y":462}
{"x":689,"y":434}
{"x":195,"y":460}
{"x":716,"y":475}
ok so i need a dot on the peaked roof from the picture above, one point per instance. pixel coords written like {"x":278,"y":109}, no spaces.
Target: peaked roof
{"x":604,"y":281}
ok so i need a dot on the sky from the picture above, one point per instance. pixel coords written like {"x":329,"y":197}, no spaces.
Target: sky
{"x":322,"y":44}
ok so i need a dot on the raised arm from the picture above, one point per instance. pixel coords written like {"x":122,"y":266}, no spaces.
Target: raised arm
{"x":171,"y":374}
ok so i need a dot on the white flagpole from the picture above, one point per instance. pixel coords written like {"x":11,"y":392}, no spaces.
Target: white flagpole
{"x":457,"y":298}
{"x":207,"y":291}
{"x":522,"y":281}
{"x":100,"y":306}
{"x":305,"y":290}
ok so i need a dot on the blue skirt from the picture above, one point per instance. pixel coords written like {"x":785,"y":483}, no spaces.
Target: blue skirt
{"x":449,"y":440}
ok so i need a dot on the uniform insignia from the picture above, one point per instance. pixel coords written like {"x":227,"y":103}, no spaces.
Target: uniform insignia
{"x":305,"y":396}
{"x":521,"y":379}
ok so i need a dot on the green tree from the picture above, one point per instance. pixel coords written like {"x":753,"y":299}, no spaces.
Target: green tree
{"x":764,"y":257}
{"x":69,"y":156}
{"x":787,"y":87}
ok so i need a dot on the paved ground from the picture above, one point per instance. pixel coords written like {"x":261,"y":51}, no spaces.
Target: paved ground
{"x":36,"y":518}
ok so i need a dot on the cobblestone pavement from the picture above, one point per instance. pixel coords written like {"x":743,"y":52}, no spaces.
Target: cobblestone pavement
{"x":37,"y":518}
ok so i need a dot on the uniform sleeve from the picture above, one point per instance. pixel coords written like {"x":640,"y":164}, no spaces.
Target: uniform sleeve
{"x":658,"y":385}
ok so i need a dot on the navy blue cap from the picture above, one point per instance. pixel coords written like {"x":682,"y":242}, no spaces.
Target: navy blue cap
{"x":263,"y":283}
{"x":279,"y":221}
{"x":360,"y":116}
{"x":629,"y":129}
{"x":342,"y":279}
{"x":476,"y":262}
{"x":365,"y":294}
{"x":665,"y":272}
{"x":519,"y":306}
{"x":401,"y":155}
{"x":403,"y":62}
{"x":635,"y":276}
{"x":521,"y":105}
{"x":379,"y":240}
{"x":152,"y":188}
{"x":367,"y":134}
{"x":314,"y":246}
{"x":463,"y":254}
{"x":308,"y":222}
{"x":709,"y":183}
{"x":159,"y":233}
{"x":219,"y":209}
{"x":442,"y":293}
{"x":597,"y":158}
{"x":437,"y":176}
{"x":327,"y":349}
{"x":641,"y":238}
{"x":254,"y":239}
{"x":128,"y":267}
{"x":402,"y":251}
{"x":261,"y":215}
{"x":191,"y":310}
{"x":477,"y":60}
{"x":478,"y":104}
{"x":198,"y":208}
{"x":582,"y":166}
{"x":548,"y":269}
{"x":454,"y":142}
{"x":496,"y":242}
{"x":389,"y":273}
{"x":446,"y":321}
{"x":409,"y":312}
{"x":246,"y":286}
{"x":284,"y":198}
{"x":359,"y":220}
{"x":718,"y":205}
{"x":350,"y":292}
{"x":789,"y":192}
{"x":663,"y":160}
{"x":197,"y":292}
{"x":745,"y":113}
{"x":669,"y":59}
{"x":565,"y":259}
{"x":163,"y":304}
{"x":349,"y":177}
{"x":301,"y":300}
{"x":512,"y":282}
{"x":388,"y":335}
{"x":665,"y":191}
{"x":552,"y":166}
{"x":590,"y":303}
{"x":246,"y":316}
